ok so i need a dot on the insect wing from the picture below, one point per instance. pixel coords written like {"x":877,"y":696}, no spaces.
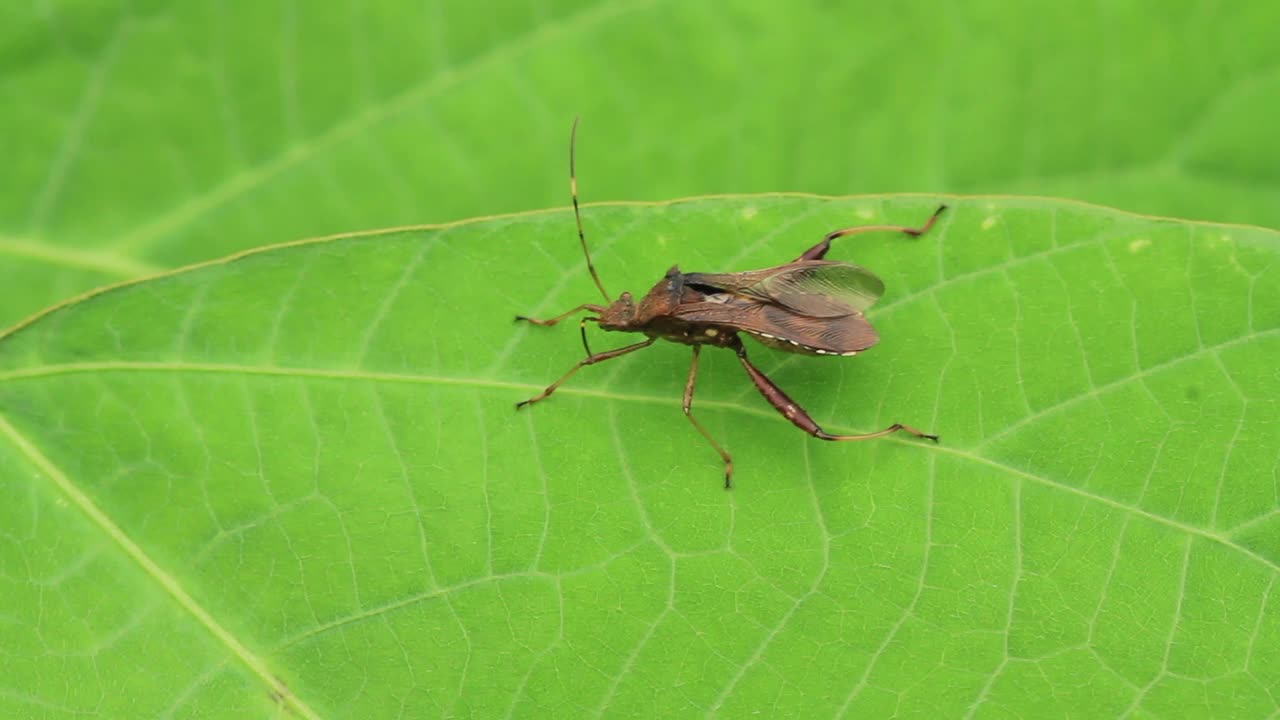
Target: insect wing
{"x":783,"y":328}
{"x":816,"y":288}
{"x":826,"y":290}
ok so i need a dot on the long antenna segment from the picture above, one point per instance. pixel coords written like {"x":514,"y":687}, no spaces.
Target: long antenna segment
{"x":577,"y":215}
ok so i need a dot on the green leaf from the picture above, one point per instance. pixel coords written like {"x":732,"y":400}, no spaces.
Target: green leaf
{"x":295,"y":479}
{"x":147,"y":135}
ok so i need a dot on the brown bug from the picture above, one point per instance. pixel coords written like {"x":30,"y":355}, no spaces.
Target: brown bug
{"x":810,"y":306}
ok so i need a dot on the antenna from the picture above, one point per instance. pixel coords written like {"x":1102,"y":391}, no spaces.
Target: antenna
{"x":577,"y":215}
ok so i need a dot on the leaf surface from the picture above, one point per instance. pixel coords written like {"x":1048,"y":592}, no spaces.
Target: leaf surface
{"x":295,"y":479}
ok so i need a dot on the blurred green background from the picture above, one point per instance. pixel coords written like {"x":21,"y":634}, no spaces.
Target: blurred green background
{"x":146,"y":135}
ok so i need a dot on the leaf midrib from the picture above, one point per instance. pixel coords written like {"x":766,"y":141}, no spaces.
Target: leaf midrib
{"x":107,"y":263}
{"x":528,"y":388}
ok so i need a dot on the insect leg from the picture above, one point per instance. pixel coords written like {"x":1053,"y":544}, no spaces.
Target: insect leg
{"x":582,"y":328}
{"x":589,"y":360}
{"x":548,"y":323}
{"x":817,"y":252}
{"x":688,"y":405}
{"x":800,"y":418}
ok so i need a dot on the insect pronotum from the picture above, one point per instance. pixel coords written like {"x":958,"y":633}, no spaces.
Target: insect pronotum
{"x":809,"y":305}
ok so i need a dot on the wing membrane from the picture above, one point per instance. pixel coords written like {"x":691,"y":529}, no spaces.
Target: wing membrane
{"x":816,"y":288}
{"x":785,"y":329}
